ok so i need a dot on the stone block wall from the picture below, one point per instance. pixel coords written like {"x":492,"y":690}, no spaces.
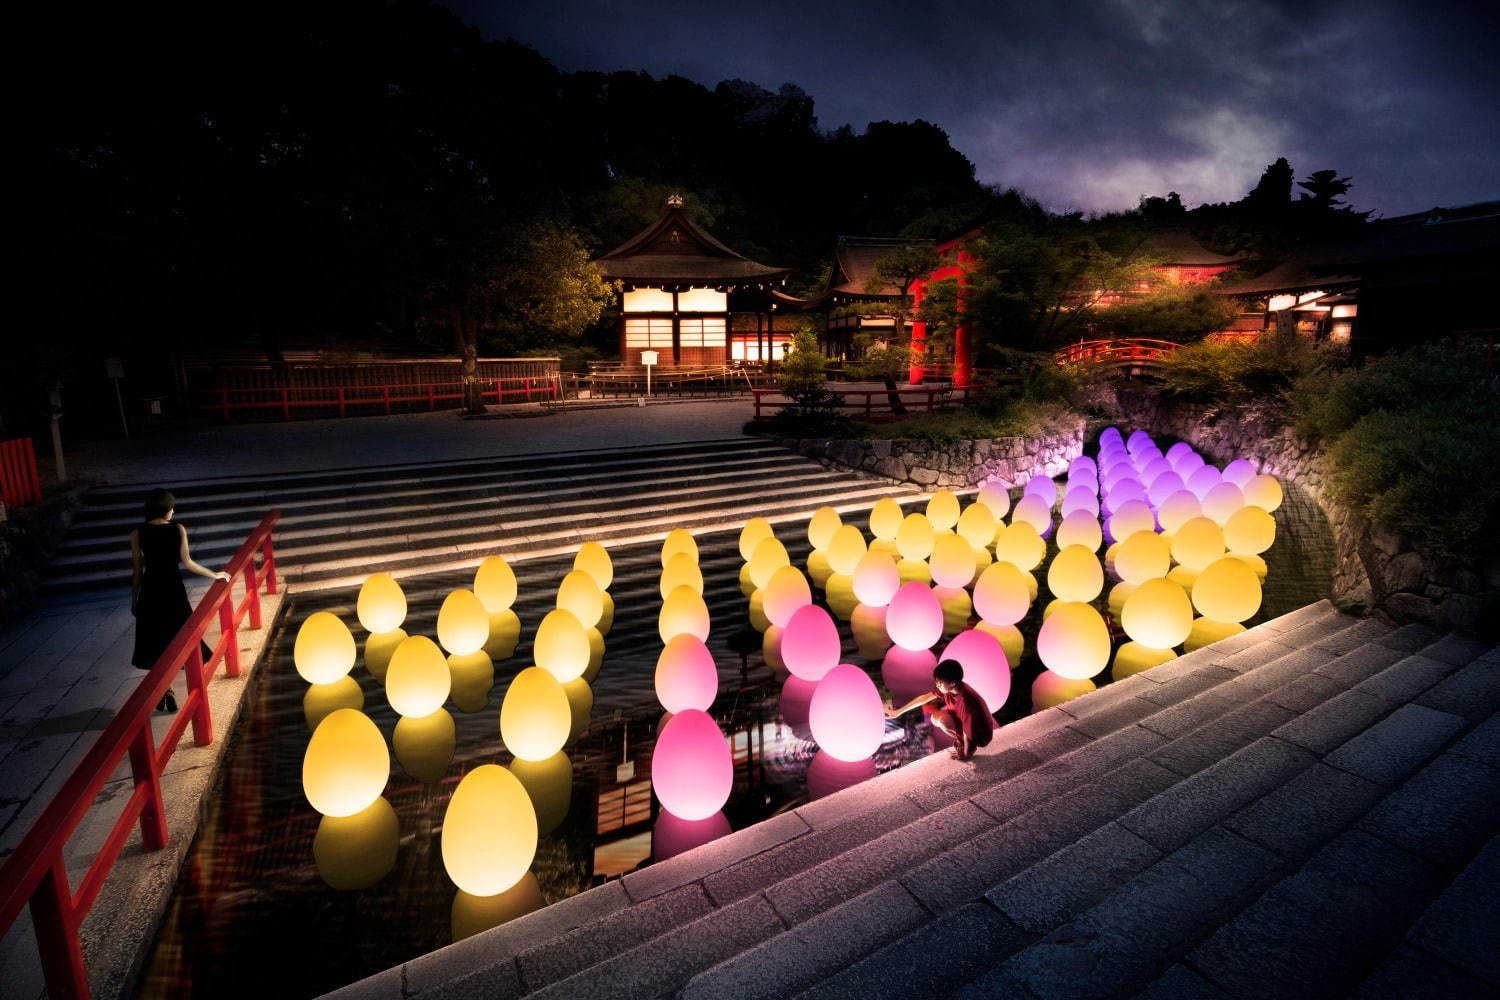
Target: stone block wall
{"x":27,"y":537}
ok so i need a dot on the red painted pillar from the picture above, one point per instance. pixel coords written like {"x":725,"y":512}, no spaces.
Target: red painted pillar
{"x":961,"y":363}
{"x":918,"y":335}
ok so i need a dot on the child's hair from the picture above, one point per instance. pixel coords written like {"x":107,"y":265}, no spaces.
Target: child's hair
{"x":949,"y":670}
{"x":159,"y":503}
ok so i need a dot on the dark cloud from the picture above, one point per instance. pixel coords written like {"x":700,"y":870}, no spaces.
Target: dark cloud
{"x":1091,"y":104}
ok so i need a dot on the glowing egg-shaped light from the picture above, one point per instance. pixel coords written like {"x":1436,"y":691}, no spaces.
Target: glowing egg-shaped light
{"x":593,"y":559}
{"x":1080,"y":528}
{"x":1255,"y":562}
{"x":378,"y":650}
{"x":535,"y":717}
{"x":1197,"y":543}
{"x":1249,"y":531}
{"x":671,"y":836}
{"x":907,"y":672}
{"x":1189,"y":463}
{"x":425,"y":745}
{"x":463,"y":624}
{"x":596,"y":654}
{"x":957,"y":607}
{"x":827,"y":774}
{"x":914,"y":618}
{"x":1178,"y":509}
{"x":495,"y":585}
{"x":324,"y":650}
{"x":1041,"y":486}
{"x":346,"y":764}
{"x":473,"y":914}
{"x":1020,"y":545}
{"x":607,"y":620}
{"x":322,"y":700}
{"x":471,"y":676}
{"x":685,"y":675}
{"x":1207,"y":631}
{"x":885,"y":518}
{"x":847,"y":717}
{"x":489,"y":831}
{"x":1123,"y":492}
{"x":846,"y":549}
{"x":1132,"y":658}
{"x":561,"y":645}
{"x":769,"y":556}
{"x":952,"y":561}
{"x":692,"y":769}
{"x":914,"y":569}
{"x":1227,"y":590}
{"x":1154,"y":470}
{"x":818,"y":569}
{"x":1221,"y":503}
{"x":1083,"y":498}
{"x":1050,"y":690}
{"x":868,"y":626}
{"x":678,"y":540}
{"x":505,"y":632}
{"x":943,"y":510}
{"x":1033,"y":510}
{"x":785,"y":592}
{"x":770,"y":651}
{"x":1203,"y":479}
{"x":1157,"y":614}
{"x":915,"y":538}
{"x":581,"y":702}
{"x":682,"y":613}
{"x":1130,"y":517}
{"x":1143,"y":556}
{"x":381,"y":606}
{"x":355,"y":852}
{"x":810,"y":643}
{"x":1264,"y":491}
{"x":996,"y":497}
{"x":755,"y":531}
{"x":795,"y":700}
{"x":580,"y":594}
{"x":549,"y":786}
{"x":840,"y":595}
{"x":876,"y":579}
{"x":1002,"y":594}
{"x":1010,"y":638}
{"x":1239,"y":472}
{"x":1075,"y":574}
{"x":1164,"y":486}
{"x":1118,"y":595}
{"x":821,"y":526}
{"x":986,"y":668}
{"x":418,"y":680}
{"x":977,"y":525}
{"x":1074,"y":641}
{"x":680,"y":571}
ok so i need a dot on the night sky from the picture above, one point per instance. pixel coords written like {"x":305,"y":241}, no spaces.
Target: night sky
{"x":1088,"y":105}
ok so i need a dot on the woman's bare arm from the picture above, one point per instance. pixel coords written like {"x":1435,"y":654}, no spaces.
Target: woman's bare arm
{"x":187,"y":560}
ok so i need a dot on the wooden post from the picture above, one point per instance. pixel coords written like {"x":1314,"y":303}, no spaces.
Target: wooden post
{"x":143,"y":769}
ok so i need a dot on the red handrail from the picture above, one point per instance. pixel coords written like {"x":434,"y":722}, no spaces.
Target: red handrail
{"x":927,"y":399}
{"x":1131,"y":349}
{"x":36,"y":872}
{"x":227,"y":399}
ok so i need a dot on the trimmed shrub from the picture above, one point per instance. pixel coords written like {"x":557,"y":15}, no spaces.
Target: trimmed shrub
{"x":1238,"y":371}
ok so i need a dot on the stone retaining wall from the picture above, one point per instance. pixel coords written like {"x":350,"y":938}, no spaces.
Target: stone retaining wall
{"x":958,"y":465}
{"x":1373,"y":565}
{"x":27,"y":537}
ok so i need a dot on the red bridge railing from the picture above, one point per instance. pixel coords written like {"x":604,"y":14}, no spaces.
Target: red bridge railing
{"x":36,"y":872}
{"x":871,"y":403}
{"x":1115,"y":351}
{"x":19,"y":483}
{"x":342,"y":398}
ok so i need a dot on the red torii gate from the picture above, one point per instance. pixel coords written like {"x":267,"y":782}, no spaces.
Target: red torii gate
{"x":957,"y":253}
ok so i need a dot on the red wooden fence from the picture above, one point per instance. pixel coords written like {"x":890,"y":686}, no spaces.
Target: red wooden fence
{"x":18,"y":479}
{"x":36,"y":872}
{"x":342,"y":398}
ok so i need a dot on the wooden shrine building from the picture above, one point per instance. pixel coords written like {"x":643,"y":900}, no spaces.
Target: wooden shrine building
{"x":679,"y":287}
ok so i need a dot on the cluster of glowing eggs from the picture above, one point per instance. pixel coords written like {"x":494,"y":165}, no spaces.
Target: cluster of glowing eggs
{"x":1075,"y":574}
{"x":755,"y":531}
{"x":678,"y":540}
{"x":821,"y":526}
{"x":381,"y":606}
{"x":683,"y":613}
{"x":943,"y":510}
{"x":346,"y":765}
{"x":463,"y":623}
{"x":845,"y":549}
{"x":847,"y":717}
{"x":489,"y":832}
{"x":1002,"y":594}
{"x":685,"y":675}
{"x":810,"y":644}
{"x":580,"y":594}
{"x":915,"y":538}
{"x":680,"y":571}
{"x":986,"y":668}
{"x":953,"y":561}
{"x":495,"y":585}
{"x":1228,"y":590}
{"x":1157,"y":614}
{"x":914,"y":618}
{"x":324,"y":650}
{"x":1020,"y":545}
{"x":876,"y":579}
{"x":535,"y":717}
{"x":418,"y":680}
{"x":593,"y":559}
{"x":692,"y":770}
{"x":561,"y":645}
{"x":1074,"y":641}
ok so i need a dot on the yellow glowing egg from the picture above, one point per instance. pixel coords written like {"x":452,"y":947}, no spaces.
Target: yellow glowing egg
{"x":977,"y":525}
{"x":355,"y":852}
{"x":952,"y":561}
{"x":868,"y":627}
{"x":495,"y":585}
{"x":324,"y":650}
{"x":596,"y":654}
{"x":683,"y":612}
{"x":505,"y":632}
{"x":1227,"y":591}
{"x":678,"y":540}
{"x":996,"y":497}
{"x":770,"y":651}
{"x":1249,"y":530}
{"x":1118,"y":595}
{"x":1183,"y":576}
{"x":1157,"y":614}
{"x":755,"y":531}
{"x":381,"y":606}
{"x":1020,"y":545}
{"x":1264,"y":492}
{"x":1132,"y":658}
{"x":1080,"y":527}
{"x":680,"y":571}
{"x":1197,"y":543}
{"x":785,"y":592}
{"x":607,"y":620}
{"x":581,"y":702}
{"x":322,"y":700}
{"x":1050,"y":690}
{"x":840,"y":595}
{"x":472,"y":677}
{"x":378,"y":650}
{"x":1075,"y":574}
{"x":1178,"y":509}
{"x":593,"y":559}
{"x":846,"y":549}
{"x":885,"y":519}
{"x":1206,"y":631}
{"x":1073,"y":641}
{"x":1133,"y":516}
{"x":346,"y":764}
{"x":916,"y":537}
{"x":463,"y":624}
{"x":425,"y":745}
{"x":747,"y":585}
{"x":820,"y":528}
{"x":561,"y":645}
{"x":1010,"y":639}
{"x":770,"y":555}
{"x":1221,"y":502}
{"x":474,"y":914}
{"x":1143,"y":556}
{"x":914,"y":569}
{"x":535,"y":717}
{"x":579,"y":594}
{"x":418,"y":680}
{"x":758,"y":619}
{"x":549,"y":785}
{"x":1253,"y":561}
{"x":942,"y":509}
{"x":1002,"y":595}
{"x":489,"y":831}
{"x":885,"y":546}
{"x":982,"y":559}
{"x":876,"y":579}
{"x":957,"y":607}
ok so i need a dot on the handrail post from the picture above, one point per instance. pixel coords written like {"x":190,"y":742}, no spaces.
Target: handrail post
{"x":341,"y":400}
{"x":203,"y":720}
{"x":385,"y":393}
{"x":286,"y":404}
{"x":53,"y":920}
{"x":228,"y":633}
{"x":252,"y":592}
{"x":268,"y":567}
{"x":143,"y":769}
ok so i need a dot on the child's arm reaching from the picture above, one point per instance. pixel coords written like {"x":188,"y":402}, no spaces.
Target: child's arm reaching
{"x":921,"y":699}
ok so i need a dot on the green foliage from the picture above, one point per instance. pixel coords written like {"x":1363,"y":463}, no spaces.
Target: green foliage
{"x":1238,"y":371}
{"x":1181,"y":313}
{"x":879,"y":362}
{"x":814,"y":412}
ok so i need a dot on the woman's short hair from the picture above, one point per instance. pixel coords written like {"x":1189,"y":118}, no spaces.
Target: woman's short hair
{"x":948,"y":670}
{"x":159,"y":503}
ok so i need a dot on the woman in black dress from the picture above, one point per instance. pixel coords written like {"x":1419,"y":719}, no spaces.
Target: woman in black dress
{"x":158,"y":598}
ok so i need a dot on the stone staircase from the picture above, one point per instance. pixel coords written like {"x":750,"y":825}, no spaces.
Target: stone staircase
{"x":336,"y":525}
{"x":1306,"y":809}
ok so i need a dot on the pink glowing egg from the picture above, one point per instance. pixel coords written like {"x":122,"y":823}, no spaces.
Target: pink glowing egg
{"x":1178,"y":450}
{"x":1178,"y":509}
{"x":686,"y":676}
{"x":785,"y":593}
{"x":795,"y":703}
{"x":914,"y":619}
{"x":827,"y":774}
{"x":1164,"y":486}
{"x":876,"y":579}
{"x":1189,"y":463}
{"x":1123,"y":492}
{"x":672,"y":835}
{"x":810,"y":642}
{"x":986,"y":668}
{"x":1222,"y":502}
{"x":1130,"y":517}
{"x":1002,"y":595}
{"x":1203,"y":479}
{"x":846,"y":716}
{"x":1041,"y":486}
{"x":1239,"y":472}
{"x":692,"y":769}
{"x":1085,"y":498}
{"x":1033,"y":510}
{"x":907,"y":673}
